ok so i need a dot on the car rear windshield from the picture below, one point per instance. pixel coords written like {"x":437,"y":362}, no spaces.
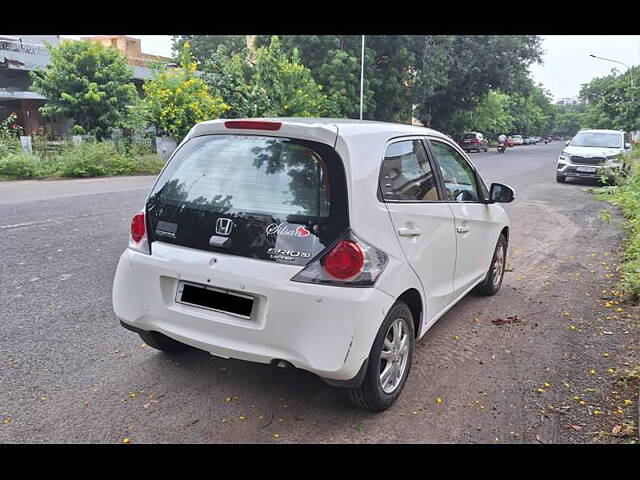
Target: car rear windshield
{"x":468,"y":135}
{"x":268,"y":187}
{"x":593,"y":139}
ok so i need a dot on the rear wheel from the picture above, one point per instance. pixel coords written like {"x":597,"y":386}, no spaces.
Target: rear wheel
{"x":389,"y":361}
{"x":493,"y":279}
{"x":163,"y":343}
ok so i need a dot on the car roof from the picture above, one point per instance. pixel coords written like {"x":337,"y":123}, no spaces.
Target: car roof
{"x":343,"y":127}
{"x":599,"y":130}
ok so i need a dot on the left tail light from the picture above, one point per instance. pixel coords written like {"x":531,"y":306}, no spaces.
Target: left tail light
{"x":349,"y":262}
{"x":139,"y":240}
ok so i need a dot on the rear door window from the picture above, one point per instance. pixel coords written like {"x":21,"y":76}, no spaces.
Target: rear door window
{"x":269,"y":198}
{"x":406,"y":173}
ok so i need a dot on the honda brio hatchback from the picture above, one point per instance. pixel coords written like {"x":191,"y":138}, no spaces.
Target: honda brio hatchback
{"x":327,"y":245}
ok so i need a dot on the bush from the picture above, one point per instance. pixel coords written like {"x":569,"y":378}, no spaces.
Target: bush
{"x":91,"y":159}
{"x":19,"y":166}
{"x":626,"y":196}
{"x":9,"y":145}
{"x":149,"y":163}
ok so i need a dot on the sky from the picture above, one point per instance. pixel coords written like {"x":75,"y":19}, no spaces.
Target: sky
{"x":566,"y":61}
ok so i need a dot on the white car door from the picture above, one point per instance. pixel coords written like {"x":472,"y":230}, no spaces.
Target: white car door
{"x":424,"y":224}
{"x":476,"y":223}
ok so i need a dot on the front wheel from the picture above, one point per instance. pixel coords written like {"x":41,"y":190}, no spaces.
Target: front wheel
{"x":389,"y":361}
{"x":561,"y":178}
{"x":493,"y":280}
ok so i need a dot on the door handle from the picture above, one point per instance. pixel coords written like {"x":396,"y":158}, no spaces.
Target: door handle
{"x":409,"y":232}
{"x":462,"y":229}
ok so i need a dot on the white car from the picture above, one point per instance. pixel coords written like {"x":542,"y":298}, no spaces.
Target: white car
{"x":593,"y":154}
{"x":328,"y":245}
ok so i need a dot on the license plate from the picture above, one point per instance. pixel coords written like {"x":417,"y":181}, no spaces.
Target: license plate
{"x":467,"y":141}
{"x":586,"y":169}
{"x":217,"y":299}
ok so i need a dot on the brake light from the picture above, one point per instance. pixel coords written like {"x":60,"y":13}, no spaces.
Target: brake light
{"x":252,"y":125}
{"x":138,"y":229}
{"x":474,"y":140}
{"x":344,"y":261}
{"x":351,"y":262}
{"x":139,"y":240}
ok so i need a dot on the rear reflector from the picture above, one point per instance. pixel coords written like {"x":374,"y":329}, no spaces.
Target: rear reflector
{"x":252,"y":125}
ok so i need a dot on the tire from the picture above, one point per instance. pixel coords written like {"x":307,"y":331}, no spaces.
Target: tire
{"x":561,"y":178}
{"x":493,"y":280}
{"x":371,"y":395}
{"x":163,"y":343}
{"x":486,"y":150}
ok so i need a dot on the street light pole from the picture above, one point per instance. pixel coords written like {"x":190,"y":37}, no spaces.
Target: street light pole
{"x":624,"y":64}
{"x":362,"y":78}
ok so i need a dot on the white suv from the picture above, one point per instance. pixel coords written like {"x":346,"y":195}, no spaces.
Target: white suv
{"x":329,"y":245}
{"x":593,"y":154}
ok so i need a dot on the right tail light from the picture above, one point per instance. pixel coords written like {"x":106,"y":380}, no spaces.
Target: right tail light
{"x":349,"y":262}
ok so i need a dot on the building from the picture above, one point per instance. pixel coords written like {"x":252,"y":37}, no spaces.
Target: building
{"x":21,"y":54}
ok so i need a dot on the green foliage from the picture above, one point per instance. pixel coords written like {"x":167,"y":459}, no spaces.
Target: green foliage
{"x":149,"y":163}
{"x":92,"y":159}
{"x":457,"y":72}
{"x":177,"y":98}
{"x":568,"y":120}
{"x":9,"y":144}
{"x":626,"y":196}
{"x":87,"y":82}
{"x":492,"y":117}
{"x":203,"y":46}
{"x":275,"y":83}
{"x":9,"y":127}
{"x":442,"y":75}
{"x":613,"y":101}
{"x":19,"y":165}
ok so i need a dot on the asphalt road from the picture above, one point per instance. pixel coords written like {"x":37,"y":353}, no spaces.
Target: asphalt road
{"x":70,"y":373}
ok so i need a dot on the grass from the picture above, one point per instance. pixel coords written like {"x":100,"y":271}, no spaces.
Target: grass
{"x":89,"y":159}
{"x":626,"y":196}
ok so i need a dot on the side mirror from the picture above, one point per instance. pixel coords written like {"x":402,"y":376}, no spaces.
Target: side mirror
{"x":567,"y":143}
{"x":500,"y":193}
{"x":627,"y":146}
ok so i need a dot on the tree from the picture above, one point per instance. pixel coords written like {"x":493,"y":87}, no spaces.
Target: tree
{"x":88,"y":82}
{"x":203,"y":46}
{"x":457,"y":72}
{"x":177,"y":98}
{"x":272,"y":83}
{"x":440,"y":74}
{"x":613,"y":101}
{"x":492,"y":116}
{"x":568,"y":120}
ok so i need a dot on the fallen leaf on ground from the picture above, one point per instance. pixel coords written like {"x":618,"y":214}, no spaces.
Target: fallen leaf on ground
{"x":506,"y":321}
{"x":572,"y":427}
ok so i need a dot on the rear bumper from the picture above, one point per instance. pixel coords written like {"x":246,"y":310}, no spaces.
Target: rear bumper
{"x":323,"y":329}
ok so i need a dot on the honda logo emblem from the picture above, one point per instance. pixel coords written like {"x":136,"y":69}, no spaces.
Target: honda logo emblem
{"x":224,"y":226}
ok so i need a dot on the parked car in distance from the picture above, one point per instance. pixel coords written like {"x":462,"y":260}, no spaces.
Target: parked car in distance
{"x":594,"y":154}
{"x":517,"y":140}
{"x":474,"y":141}
{"x":284,"y":241}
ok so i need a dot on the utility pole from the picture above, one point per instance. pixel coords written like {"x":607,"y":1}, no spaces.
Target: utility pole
{"x":362,"y":78}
